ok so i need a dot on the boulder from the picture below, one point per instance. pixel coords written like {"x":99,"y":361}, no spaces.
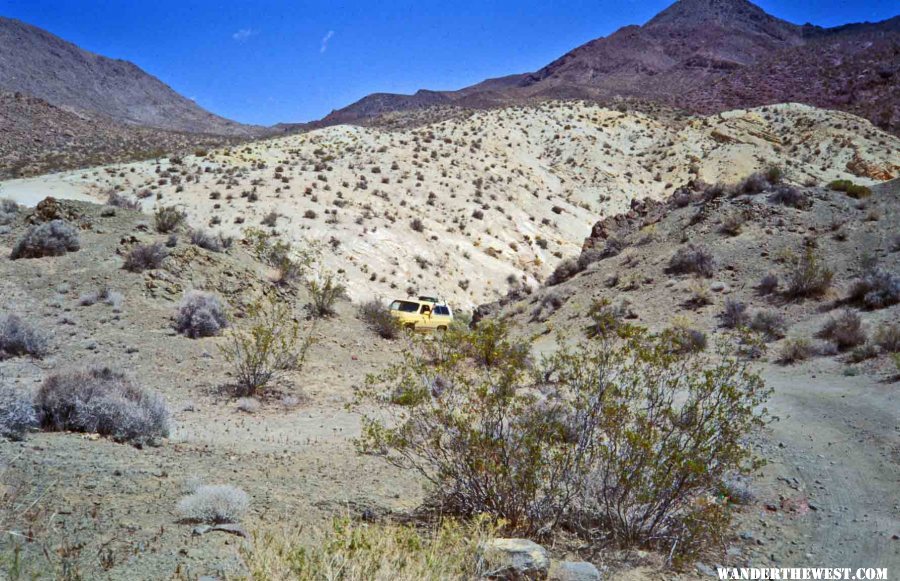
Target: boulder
{"x":514,"y":559}
{"x":573,"y":571}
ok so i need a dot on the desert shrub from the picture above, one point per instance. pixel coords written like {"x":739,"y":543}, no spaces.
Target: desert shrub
{"x":774,"y":174}
{"x":754,"y":183}
{"x":563,"y":271}
{"x":619,"y":439}
{"x":117,"y":200}
{"x":379,"y":319}
{"x":18,"y":338}
{"x":270,"y":219}
{"x":876,"y":289}
{"x":606,"y":319}
{"x":844,"y":331}
{"x":200,"y":314}
{"x":862,"y":353}
{"x":692,"y":259}
{"x":684,"y":338}
{"x":214,"y":504}
{"x":354,"y":550}
{"x":770,"y":324}
{"x":101,"y":401}
{"x":808,"y":276}
{"x":8,"y":211}
{"x":768,"y":284}
{"x":733,"y":223}
{"x":795,"y":350}
{"x":735,"y":314}
{"x":789,"y":196}
{"x":549,"y":302}
{"x":105,"y":295}
{"x":212,"y":242}
{"x":853,"y":190}
{"x":270,"y":345}
{"x":324,"y":290}
{"x":289,"y":261}
{"x":613,"y":247}
{"x":887,"y":336}
{"x":736,"y":488}
{"x":417,"y":225}
{"x":145,"y":257}
{"x":17,"y":415}
{"x":248,"y":405}
{"x":53,"y":238}
{"x":168,"y":219}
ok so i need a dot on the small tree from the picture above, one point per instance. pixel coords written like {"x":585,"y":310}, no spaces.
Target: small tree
{"x":324,"y":289}
{"x":269,"y":346}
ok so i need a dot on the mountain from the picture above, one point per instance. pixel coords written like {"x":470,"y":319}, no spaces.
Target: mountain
{"x":39,"y":64}
{"x":700,"y":55}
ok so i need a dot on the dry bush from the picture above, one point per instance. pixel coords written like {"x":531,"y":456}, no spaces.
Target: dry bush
{"x":844,"y":331}
{"x":212,"y":242}
{"x":8,"y":211}
{"x":18,"y":338}
{"x":768,"y":284}
{"x":200,"y":314}
{"x":145,"y":257}
{"x":887,"y":336}
{"x":379,"y":319}
{"x":270,"y":345}
{"x":117,"y":200}
{"x":790,"y":196}
{"x":795,"y":350}
{"x":17,"y":415}
{"x":733,"y":223}
{"x":356,"y":551}
{"x":168,"y":219}
{"x":621,"y":439}
{"x":53,"y":238}
{"x":875,"y":289}
{"x":770,"y":324}
{"x":105,"y":295}
{"x":606,"y":319}
{"x":563,"y":271}
{"x":289,"y":261}
{"x":735,"y":314}
{"x":214,"y":504}
{"x":754,"y":183}
{"x":692,"y":259}
{"x":101,"y":401}
{"x":809,"y":276}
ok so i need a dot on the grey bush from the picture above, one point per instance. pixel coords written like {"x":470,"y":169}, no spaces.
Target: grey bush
{"x":105,"y":295}
{"x":692,"y":259}
{"x":789,"y":196}
{"x":844,"y":331}
{"x":876,"y":289}
{"x":17,"y":415}
{"x":200,"y":314}
{"x":168,"y":219}
{"x":770,"y":323}
{"x":212,"y":242}
{"x":53,"y":238}
{"x":117,"y":200}
{"x":735,"y":314}
{"x":102,"y":401}
{"x":768,"y":284}
{"x":214,"y":504}
{"x":8,"y":211}
{"x":378,"y":318}
{"x":18,"y":338}
{"x":563,"y":271}
{"x":145,"y":257}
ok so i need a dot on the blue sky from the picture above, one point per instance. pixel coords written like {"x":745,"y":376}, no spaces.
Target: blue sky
{"x":290,"y":60}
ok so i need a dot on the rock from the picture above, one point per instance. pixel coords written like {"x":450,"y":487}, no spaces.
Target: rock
{"x":718,"y":286}
{"x":514,"y":559}
{"x":704,"y":569}
{"x":201,"y":530}
{"x":232,"y":529}
{"x":573,"y":571}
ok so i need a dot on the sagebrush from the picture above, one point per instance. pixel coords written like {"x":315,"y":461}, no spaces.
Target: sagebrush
{"x":53,"y":238}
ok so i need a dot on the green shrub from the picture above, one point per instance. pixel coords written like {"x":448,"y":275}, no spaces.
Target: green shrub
{"x":851,"y":189}
{"x":809,"y":276}
{"x":795,"y":350}
{"x":270,"y":345}
{"x":620,"y":437}
{"x":168,"y":219}
{"x":324,"y":292}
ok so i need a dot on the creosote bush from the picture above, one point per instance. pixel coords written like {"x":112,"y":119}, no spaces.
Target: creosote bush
{"x":795,"y":350}
{"x":808,"y":276}
{"x":53,"y":238}
{"x":379,"y":319}
{"x":168,"y":219}
{"x":289,"y":261}
{"x":18,"y":338}
{"x":692,"y":259}
{"x":102,"y":401}
{"x":325,"y":289}
{"x":851,"y":189}
{"x":17,"y":415}
{"x":200,"y":314}
{"x":354,"y":550}
{"x":887,"y":336}
{"x":268,"y":346}
{"x":623,"y":438}
{"x":145,"y":257}
{"x":214,"y":504}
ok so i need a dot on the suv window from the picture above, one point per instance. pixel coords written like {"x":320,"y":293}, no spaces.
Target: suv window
{"x":405,"y":306}
{"x":425,"y":309}
{"x":441,"y":311}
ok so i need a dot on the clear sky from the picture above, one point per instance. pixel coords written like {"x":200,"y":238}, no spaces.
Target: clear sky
{"x":265,"y":61}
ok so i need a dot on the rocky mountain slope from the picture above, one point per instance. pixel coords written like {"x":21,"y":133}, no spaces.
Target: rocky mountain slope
{"x":700,"y":55}
{"x":37,"y":137}
{"x":39,"y":64}
{"x":469,"y":207}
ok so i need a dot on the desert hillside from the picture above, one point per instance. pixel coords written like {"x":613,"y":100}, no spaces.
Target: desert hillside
{"x":468,"y":207}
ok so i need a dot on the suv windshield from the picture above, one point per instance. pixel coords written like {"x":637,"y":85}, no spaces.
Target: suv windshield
{"x":404,"y":306}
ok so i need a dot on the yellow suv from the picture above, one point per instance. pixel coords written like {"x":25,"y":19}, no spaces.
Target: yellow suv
{"x":422,"y":314}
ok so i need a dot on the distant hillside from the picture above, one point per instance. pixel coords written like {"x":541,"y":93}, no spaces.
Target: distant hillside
{"x":37,"y":63}
{"x":703,"y":56}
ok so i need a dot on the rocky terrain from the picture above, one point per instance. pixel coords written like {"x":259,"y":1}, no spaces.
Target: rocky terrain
{"x":505,"y":194}
{"x":702,"y":56}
